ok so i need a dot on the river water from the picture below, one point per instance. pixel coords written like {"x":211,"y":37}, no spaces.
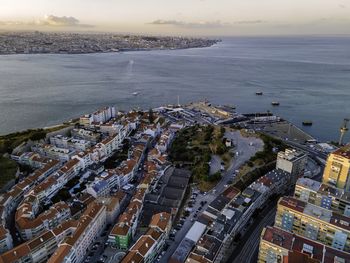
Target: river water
{"x":309,"y":76}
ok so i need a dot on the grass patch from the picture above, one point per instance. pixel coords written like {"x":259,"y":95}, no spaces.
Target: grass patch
{"x":11,"y":141}
{"x":8,"y":169}
{"x":193,"y":147}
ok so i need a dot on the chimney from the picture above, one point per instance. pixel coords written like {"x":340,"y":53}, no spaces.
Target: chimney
{"x":147,"y":245}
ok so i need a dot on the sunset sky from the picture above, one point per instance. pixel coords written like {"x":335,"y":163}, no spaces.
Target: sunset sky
{"x":199,"y":17}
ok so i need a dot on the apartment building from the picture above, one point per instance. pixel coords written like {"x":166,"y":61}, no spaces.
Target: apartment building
{"x":39,"y":249}
{"x":313,"y":222}
{"x":323,"y":195}
{"x":6,"y":242}
{"x":278,"y":245}
{"x":124,"y":230}
{"x":30,"y":225}
{"x":337,"y":170}
{"x":148,"y":246}
{"x":74,"y":248}
{"x":293,"y":162}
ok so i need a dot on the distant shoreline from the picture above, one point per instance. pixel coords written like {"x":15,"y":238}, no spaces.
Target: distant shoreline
{"x":29,"y":43}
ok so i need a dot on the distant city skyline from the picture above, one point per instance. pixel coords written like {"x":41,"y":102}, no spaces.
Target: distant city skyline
{"x":184,"y":17}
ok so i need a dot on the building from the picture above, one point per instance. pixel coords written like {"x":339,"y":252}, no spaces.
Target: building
{"x":86,"y":134}
{"x":69,"y":143}
{"x":124,"y":230}
{"x":293,"y":162}
{"x":149,"y":245}
{"x":75,"y":247}
{"x":39,"y":249}
{"x":323,"y":195}
{"x":337,"y":170}
{"x":278,"y":245}
{"x":30,"y":225}
{"x":98,"y":189}
{"x":313,"y":222}
{"x":51,"y":151}
{"x":6,"y":242}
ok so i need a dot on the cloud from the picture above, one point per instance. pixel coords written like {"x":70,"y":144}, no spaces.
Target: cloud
{"x":250,"y":22}
{"x":65,"y":21}
{"x":189,"y":24}
{"x":210,"y":24}
{"x":48,"y":20}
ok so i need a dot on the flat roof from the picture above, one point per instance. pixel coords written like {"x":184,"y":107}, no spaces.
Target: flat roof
{"x":196,"y":231}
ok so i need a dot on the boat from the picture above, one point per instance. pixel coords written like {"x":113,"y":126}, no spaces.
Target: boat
{"x":275,"y":103}
{"x":135,"y":93}
{"x":307,"y":123}
{"x":259,"y":93}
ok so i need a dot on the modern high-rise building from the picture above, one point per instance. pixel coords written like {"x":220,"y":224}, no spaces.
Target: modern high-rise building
{"x":293,"y":162}
{"x":337,"y":171}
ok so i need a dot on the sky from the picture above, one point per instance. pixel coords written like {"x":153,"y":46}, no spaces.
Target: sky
{"x":179,"y":17}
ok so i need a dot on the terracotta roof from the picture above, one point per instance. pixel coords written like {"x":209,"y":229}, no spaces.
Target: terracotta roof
{"x":120,"y":230}
{"x":132,"y":257}
{"x":143,"y":245}
{"x":160,"y":220}
{"x":69,"y":165}
{"x":194,"y":258}
{"x":3,"y":232}
{"x":343,"y":151}
{"x":60,"y":254}
{"x":154,"y":233}
{"x":16,"y":253}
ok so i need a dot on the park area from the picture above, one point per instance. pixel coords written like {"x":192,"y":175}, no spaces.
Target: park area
{"x":193,"y":148}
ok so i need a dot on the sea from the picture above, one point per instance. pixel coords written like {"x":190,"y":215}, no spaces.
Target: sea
{"x":309,"y":76}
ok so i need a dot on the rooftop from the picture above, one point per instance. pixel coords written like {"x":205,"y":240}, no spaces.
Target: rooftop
{"x":343,"y":151}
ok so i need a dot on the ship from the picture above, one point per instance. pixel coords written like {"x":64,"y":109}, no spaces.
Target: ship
{"x":275,"y":103}
{"x":135,"y":93}
{"x":259,"y":93}
{"x":307,"y":123}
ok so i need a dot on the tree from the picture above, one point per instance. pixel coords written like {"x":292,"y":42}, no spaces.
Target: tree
{"x":150,"y":116}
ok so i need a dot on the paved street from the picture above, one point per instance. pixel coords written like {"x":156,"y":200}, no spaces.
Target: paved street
{"x":247,"y":248}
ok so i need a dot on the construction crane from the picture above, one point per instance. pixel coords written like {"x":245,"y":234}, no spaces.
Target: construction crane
{"x":344,"y":129}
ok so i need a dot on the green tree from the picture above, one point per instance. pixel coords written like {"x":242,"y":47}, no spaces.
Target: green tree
{"x":150,"y":116}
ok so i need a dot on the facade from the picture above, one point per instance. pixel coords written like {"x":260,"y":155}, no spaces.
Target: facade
{"x":39,"y":249}
{"x":293,"y":162}
{"x":6,"y":242}
{"x":75,"y":247}
{"x":124,"y":230}
{"x":149,"y":245}
{"x":323,"y":195}
{"x":29,"y":225}
{"x":337,"y":170}
{"x":314,"y":222}
{"x":277,"y":245}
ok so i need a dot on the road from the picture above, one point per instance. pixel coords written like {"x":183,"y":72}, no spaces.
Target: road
{"x":247,"y":147}
{"x":247,"y":249}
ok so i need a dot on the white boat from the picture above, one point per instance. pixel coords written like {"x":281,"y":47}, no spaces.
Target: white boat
{"x":135,"y":93}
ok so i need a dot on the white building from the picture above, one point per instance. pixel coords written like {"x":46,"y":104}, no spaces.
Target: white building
{"x":90,"y":226}
{"x":293,"y":162}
